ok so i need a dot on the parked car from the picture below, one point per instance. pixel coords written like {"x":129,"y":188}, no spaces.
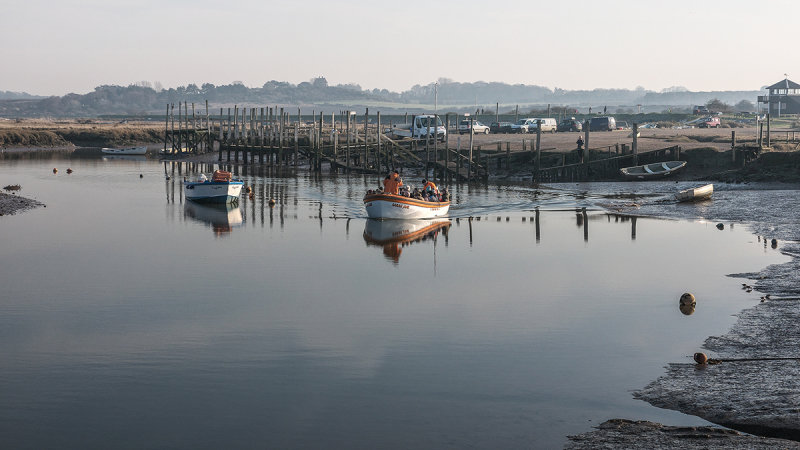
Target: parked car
{"x":520,"y":127}
{"x":700,"y":109}
{"x":477,"y":127}
{"x":709,"y":122}
{"x":623,"y":126}
{"x":548,"y":125}
{"x":501,"y":127}
{"x":570,"y":125}
{"x":602,"y":124}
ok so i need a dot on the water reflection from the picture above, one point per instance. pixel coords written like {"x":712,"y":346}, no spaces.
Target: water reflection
{"x":125,"y":157}
{"x":222,"y":218}
{"x":393,"y":235}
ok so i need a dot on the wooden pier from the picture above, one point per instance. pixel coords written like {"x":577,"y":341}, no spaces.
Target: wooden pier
{"x":348,"y":143}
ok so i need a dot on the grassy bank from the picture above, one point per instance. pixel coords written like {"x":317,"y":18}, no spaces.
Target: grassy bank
{"x":42,"y":133}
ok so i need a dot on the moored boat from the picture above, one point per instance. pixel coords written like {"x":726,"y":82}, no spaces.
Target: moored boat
{"x":695,"y":194}
{"x":220,"y":189}
{"x":650,"y":171}
{"x":391,"y":206}
{"x":125,"y":151}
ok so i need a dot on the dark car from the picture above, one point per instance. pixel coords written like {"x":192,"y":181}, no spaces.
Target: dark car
{"x":602,"y":124}
{"x":570,"y":125}
{"x":500,"y":127}
{"x":700,"y":109}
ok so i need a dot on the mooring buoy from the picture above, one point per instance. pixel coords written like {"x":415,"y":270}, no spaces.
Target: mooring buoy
{"x":700,"y":358}
{"x":720,"y":226}
{"x":55,"y":170}
{"x":688,"y":299}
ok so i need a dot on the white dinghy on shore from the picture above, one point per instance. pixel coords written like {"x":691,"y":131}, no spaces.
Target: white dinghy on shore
{"x":695,"y":194}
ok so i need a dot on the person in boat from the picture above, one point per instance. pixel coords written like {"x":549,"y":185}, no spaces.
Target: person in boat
{"x":398,"y":182}
{"x":580,"y":149}
{"x":387,"y":184}
{"x":203,"y":178}
{"x":430,"y":192}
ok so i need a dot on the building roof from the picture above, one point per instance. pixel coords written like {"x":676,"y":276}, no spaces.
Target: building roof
{"x":785,"y":84}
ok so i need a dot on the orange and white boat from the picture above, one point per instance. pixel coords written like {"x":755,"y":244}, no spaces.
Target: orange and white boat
{"x":390,"y":206}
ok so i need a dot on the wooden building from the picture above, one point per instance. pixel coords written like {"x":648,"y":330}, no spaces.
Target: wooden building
{"x":783,"y":98}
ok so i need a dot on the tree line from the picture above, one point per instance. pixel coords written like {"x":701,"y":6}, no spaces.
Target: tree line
{"x":145,"y":98}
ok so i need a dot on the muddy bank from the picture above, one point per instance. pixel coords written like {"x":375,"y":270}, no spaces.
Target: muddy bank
{"x":12,"y":204}
{"x":753,"y":388}
{"x":629,"y":434}
{"x":770,"y":166}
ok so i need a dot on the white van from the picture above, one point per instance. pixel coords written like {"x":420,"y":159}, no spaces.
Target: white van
{"x":548,"y":125}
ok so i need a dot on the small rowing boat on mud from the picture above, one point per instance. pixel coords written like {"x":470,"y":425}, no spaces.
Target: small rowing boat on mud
{"x":391,"y":206}
{"x":695,"y":194}
{"x":650,"y":171}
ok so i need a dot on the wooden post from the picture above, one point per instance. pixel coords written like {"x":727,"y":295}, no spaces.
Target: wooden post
{"x":319,"y":147}
{"x":347,"y":146}
{"x":469,"y":161}
{"x":378,"y":159}
{"x":435,"y":143}
{"x":166,"y":128}
{"x":635,"y":144}
{"x":538,"y":137}
{"x":497,"y":112}
{"x":769,"y":136}
{"x":428,"y":146}
{"x":516,"y":114}
{"x":733,"y":145}
{"x":447,"y":143}
{"x":366,"y":138}
{"x":508,"y":156}
{"x":585,"y":141}
{"x":459,"y":160}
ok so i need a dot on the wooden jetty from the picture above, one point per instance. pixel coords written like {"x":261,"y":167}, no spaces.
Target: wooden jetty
{"x":349,"y":143}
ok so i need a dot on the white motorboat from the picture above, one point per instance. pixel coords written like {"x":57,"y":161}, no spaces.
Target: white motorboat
{"x":695,"y":194}
{"x":391,"y":206}
{"x":220,"y":189}
{"x":125,"y":151}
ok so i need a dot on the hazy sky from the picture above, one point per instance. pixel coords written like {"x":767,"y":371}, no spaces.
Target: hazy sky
{"x":55,"y":47}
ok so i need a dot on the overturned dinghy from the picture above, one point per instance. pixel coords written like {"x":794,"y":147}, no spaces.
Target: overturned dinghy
{"x":695,"y":194}
{"x":651,"y":171}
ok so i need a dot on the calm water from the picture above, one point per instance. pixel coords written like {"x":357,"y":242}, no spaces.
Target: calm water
{"x":129,"y":319}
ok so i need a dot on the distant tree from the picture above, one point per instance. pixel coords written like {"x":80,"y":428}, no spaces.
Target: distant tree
{"x":319,"y":82}
{"x":745,"y":106}
{"x":717,"y":105}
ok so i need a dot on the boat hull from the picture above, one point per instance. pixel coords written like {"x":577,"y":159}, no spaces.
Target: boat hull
{"x":387,"y":206}
{"x":125,"y":151}
{"x":652,"y":171}
{"x":213,"y":191}
{"x":695,"y":194}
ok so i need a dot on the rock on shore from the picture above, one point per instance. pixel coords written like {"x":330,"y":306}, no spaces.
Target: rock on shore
{"x":12,"y":204}
{"x":640,"y":434}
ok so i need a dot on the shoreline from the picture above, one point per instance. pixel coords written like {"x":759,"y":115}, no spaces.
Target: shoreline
{"x":670,"y":390}
{"x":11,"y":204}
